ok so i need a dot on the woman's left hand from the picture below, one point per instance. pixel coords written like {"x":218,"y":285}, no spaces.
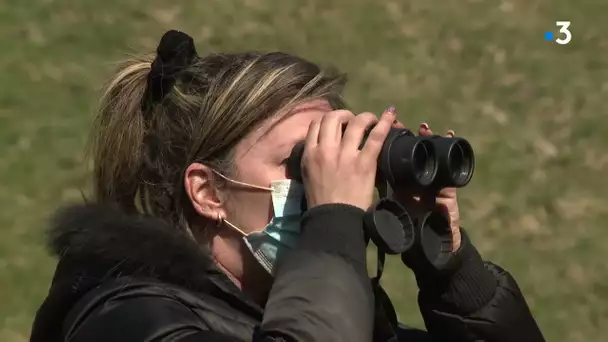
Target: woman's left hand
{"x":445,"y":201}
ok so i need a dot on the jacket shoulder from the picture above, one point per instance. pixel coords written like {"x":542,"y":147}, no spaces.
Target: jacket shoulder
{"x":129,"y":309}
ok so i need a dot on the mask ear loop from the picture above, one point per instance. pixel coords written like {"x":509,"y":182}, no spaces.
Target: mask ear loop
{"x":221,"y":220}
{"x":242,"y":183}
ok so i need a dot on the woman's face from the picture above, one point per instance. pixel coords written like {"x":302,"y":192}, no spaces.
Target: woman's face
{"x":260,"y":159}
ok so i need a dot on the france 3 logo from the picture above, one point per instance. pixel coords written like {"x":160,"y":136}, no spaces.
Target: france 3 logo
{"x":564,"y":35}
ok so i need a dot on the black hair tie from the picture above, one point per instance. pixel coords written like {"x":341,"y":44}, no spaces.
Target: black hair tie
{"x":175,"y":52}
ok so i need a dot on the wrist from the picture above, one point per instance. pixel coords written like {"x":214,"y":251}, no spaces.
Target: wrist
{"x":335,"y":228}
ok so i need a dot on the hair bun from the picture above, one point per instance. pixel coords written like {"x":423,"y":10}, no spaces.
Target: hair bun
{"x":175,"y":52}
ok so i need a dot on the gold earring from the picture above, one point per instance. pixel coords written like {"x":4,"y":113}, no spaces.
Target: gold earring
{"x":220,"y":220}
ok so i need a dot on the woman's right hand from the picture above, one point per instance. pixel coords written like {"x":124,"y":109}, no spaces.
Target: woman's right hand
{"x":334,"y":170}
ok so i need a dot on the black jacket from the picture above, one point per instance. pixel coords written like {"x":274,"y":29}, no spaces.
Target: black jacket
{"x":130,"y":278}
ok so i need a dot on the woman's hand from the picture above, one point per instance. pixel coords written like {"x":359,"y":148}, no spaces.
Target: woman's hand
{"x":334,"y":170}
{"x":445,"y":201}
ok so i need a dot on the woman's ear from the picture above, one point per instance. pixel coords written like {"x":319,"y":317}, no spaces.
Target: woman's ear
{"x":202,"y":191}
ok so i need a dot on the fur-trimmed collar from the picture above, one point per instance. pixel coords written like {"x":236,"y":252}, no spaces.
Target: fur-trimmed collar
{"x":98,"y":243}
{"x":107,"y":237}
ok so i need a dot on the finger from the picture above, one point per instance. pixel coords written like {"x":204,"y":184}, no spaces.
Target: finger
{"x":450,"y":134}
{"x":448,"y":193}
{"x":330,"y":131}
{"x":377,"y":136}
{"x":424,"y":129}
{"x":355,"y":131}
{"x":449,"y":208}
{"x":312,"y":137}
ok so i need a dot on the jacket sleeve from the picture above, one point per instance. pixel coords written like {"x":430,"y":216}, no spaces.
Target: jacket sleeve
{"x":477,"y":301}
{"x":321,"y":293}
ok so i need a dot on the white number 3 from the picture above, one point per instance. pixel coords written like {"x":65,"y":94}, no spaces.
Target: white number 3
{"x":563,"y":25}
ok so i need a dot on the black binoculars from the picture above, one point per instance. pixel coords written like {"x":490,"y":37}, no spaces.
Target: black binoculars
{"x":414,"y":162}
{"x":420,"y":164}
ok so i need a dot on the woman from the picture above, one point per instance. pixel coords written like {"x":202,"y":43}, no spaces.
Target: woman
{"x":224,"y":251}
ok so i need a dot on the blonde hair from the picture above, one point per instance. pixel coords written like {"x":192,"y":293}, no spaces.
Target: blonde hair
{"x":139,"y":161}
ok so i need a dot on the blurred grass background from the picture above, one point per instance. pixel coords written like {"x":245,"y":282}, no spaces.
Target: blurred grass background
{"x":534,"y":110}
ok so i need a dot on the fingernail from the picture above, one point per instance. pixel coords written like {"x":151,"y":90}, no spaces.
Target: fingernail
{"x":451,"y":133}
{"x":424,"y":126}
{"x":395,"y":121}
{"x":391,"y":110}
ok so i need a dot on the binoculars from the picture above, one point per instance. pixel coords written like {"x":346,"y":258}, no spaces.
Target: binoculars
{"x":419,"y":164}
{"x":414,"y":162}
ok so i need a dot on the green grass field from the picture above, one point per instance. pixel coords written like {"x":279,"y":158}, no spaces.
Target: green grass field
{"x":535,"y":112}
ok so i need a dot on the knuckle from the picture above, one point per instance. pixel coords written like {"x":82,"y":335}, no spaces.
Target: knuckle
{"x":306,"y":159}
{"x":324,"y":156}
{"x":376,"y":136}
{"x":362,"y":121}
{"x":366,"y":119}
{"x":344,"y":112}
{"x":317,"y":159}
{"x":341,"y":115}
{"x":366,"y":165}
{"x":369,"y":116}
{"x":347,"y":156}
{"x":312,"y":129}
{"x":379,"y":133}
{"x":315,"y":121}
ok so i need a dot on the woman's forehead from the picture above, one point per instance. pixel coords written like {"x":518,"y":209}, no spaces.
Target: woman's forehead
{"x":289,"y":128}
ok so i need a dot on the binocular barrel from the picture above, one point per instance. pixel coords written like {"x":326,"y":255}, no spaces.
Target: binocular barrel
{"x":409,"y":161}
{"x":434,"y":162}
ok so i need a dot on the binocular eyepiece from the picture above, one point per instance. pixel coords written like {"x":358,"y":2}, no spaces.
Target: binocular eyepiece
{"x":414,"y":162}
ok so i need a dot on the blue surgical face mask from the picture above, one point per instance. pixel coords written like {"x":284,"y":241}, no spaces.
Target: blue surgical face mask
{"x":283,"y":232}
